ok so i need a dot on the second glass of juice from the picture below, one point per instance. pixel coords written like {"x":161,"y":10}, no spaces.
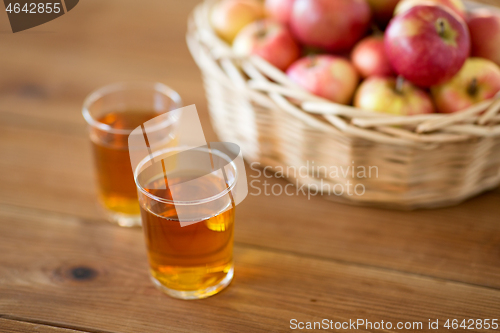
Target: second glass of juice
{"x":112,"y":113}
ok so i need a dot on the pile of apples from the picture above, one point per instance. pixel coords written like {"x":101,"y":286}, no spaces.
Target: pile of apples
{"x":402,"y":57}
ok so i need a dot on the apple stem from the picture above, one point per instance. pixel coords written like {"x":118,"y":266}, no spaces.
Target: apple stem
{"x":376,"y":30}
{"x":261,"y":33}
{"x":472,"y":88}
{"x":314,"y":61}
{"x":400,"y":81}
{"x":441,"y":27}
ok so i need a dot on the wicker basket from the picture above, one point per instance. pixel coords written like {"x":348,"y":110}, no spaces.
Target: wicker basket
{"x":423,"y":161}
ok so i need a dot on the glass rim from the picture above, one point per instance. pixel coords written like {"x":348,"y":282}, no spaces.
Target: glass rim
{"x":191,"y":202}
{"x":123,"y":86}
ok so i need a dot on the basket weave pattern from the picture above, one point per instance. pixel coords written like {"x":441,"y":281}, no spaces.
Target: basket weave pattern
{"x":423,"y":161}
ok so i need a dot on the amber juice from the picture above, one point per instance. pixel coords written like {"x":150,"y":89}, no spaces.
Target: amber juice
{"x":115,"y":178}
{"x":195,"y":257}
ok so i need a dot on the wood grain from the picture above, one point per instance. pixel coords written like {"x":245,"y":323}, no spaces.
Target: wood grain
{"x":270,"y":287}
{"x":47,"y":71}
{"x":15,"y":326}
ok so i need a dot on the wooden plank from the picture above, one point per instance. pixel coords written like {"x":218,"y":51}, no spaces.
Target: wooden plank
{"x":270,"y":288}
{"x":53,"y":172}
{"x":15,"y":326}
{"x":47,"y":171}
{"x":460,"y":243}
{"x":94,"y":45}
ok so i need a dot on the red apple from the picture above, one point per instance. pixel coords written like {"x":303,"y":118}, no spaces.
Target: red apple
{"x":331,"y":77}
{"x":477,"y":81}
{"x":456,"y":6}
{"x":280,"y":10}
{"x":270,"y":40}
{"x":228,"y":17}
{"x":484,"y":26}
{"x":382,"y":10}
{"x":370,"y":59}
{"x":382,"y":94}
{"x":427,"y":44}
{"x":333,"y":25}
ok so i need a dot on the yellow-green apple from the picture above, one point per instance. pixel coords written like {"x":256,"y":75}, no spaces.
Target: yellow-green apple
{"x":484,"y":27}
{"x":332,"y":25}
{"x":396,"y":97}
{"x":280,"y":10}
{"x":228,"y":17}
{"x":477,"y":81}
{"x":328,"y":76}
{"x":427,"y":44}
{"x":369,"y":58}
{"x":456,"y":6}
{"x":270,"y":40}
{"x":383,"y":10}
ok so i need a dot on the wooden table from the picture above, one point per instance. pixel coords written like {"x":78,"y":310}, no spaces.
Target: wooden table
{"x":64,"y":269}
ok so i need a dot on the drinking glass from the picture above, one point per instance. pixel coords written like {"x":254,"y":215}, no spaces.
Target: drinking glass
{"x":112,"y":112}
{"x":188,"y":211}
